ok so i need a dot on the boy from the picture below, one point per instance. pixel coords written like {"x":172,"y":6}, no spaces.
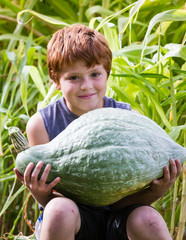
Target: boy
{"x":79,"y":63}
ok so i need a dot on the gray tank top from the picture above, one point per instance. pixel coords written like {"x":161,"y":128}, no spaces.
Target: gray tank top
{"x":57,"y":116}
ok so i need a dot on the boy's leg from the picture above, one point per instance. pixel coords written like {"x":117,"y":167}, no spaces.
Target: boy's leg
{"x":145,"y":223}
{"x":61,"y":220}
{"x":137,"y":222}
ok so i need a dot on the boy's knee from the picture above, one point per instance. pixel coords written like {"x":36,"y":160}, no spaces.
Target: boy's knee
{"x":61,"y":209}
{"x":145,"y":219}
{"x":61,"y":217}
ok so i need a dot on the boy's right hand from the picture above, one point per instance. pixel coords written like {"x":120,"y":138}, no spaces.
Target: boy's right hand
{"x":41,"y":191}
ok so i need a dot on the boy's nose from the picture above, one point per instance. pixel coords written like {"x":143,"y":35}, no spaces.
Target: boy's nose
{"x":86,"y":83}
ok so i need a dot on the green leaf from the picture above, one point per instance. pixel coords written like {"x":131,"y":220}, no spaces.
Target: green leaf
{"x":160,"y":111}
{"x":134,"y":51}
{"x":34,"y":73}
{"x":175,"y":131}
{"x":132,"y":12}
{"x":5,"y":88}
{"x":7,"y":177}
{"x":52,"y":92}
{"x":10,"y":5}
{"x":10,"y":36}
{"x":41,"y":16}
{"x":109,"y":18}
{"x":123,"y":95}
{"x":24,"y":87}
{"x":24,"y":58}
{"x":65,"y":7}
{"x":11,"y":197}
{"x":146,"y":75}
{"x":97,"y":10}
{"x":12,"y":57}
{"x":175,"y":50}
{"x":170,"y":15}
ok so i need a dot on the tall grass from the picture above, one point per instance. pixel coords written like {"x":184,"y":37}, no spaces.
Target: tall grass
{"x":147,"y":39}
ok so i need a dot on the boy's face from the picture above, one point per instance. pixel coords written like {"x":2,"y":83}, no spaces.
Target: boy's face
{"x":83,"y":88}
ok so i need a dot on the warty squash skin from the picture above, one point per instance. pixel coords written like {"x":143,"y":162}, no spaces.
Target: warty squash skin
{"x":105,"y":155}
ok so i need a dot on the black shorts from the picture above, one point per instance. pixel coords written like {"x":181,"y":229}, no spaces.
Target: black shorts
{"x":103,"y":224}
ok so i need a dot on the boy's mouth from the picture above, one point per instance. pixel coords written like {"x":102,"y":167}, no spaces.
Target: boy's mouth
{"x":87,"y":96}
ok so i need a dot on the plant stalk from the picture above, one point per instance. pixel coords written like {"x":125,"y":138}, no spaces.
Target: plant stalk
{"x":174,"y":119}
{"x":182,"y":219}
{"x":105,"y":4}
{"x":19,"y":27}
{"x":173,"y":99}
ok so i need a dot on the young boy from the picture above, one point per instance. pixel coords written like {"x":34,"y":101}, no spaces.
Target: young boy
{"x":79,"y":63}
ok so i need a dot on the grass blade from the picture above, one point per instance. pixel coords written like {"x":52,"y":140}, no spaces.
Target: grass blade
{"x":41,"y":16}
{"x":170,"y":15}
{"x":11,"y":197}
{"x":34,"y":73}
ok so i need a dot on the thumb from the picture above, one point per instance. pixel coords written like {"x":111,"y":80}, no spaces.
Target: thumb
{"x":155,"y":182}
{"x":19,"y":175}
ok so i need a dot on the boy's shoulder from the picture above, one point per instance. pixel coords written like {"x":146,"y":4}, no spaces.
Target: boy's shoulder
{"x":56,"y":117}
{"x":36,"y":131}
{"x":57,"y":109}
{"x":111,"y":102}
{"x":52,"y":104}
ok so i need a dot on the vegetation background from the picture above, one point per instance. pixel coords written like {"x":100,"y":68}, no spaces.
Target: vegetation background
{"x":147,"y":38}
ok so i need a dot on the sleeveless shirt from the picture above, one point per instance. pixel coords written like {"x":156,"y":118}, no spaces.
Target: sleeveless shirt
{"x":57,"y":116}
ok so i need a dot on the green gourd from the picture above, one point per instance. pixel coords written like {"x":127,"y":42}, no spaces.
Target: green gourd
{"x":105,"y":155}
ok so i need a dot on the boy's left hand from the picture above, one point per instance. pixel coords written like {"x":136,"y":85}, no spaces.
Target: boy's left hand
{"x":161,"y":185}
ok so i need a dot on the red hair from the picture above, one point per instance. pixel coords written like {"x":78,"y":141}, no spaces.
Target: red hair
{"x":77,"y":42}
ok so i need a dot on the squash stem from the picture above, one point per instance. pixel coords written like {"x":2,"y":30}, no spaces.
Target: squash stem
{"x":19,"y":141}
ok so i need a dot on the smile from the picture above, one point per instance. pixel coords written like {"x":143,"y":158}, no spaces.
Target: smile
{"x":87,"y":96}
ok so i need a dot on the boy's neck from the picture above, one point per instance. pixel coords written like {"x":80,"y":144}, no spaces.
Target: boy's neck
{"x":83,"y":112}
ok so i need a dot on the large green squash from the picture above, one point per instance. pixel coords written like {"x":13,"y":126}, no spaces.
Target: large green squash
{"x":105,"y":155}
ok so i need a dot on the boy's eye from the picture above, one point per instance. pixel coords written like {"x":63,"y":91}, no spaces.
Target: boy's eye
{"x":73,"y":77}
{"x":95,"y":74}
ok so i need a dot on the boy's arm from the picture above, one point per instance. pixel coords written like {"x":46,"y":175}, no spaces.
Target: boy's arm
{"x":156,"y":190}
{"x":41,"y":191}
{"x":36,"y":131}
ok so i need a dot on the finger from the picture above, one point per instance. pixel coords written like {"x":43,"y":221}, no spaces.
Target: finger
{"x":166,"y":174}
{"x":18,"y":175}
{"x":53,"y":183}
{"x":164,"y":178}
{"x":36,"y":171}
{"x":27,"y":173}
{"x":45,"y":174}
{"x":179,"y":166}
{"x":173,"y":169}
